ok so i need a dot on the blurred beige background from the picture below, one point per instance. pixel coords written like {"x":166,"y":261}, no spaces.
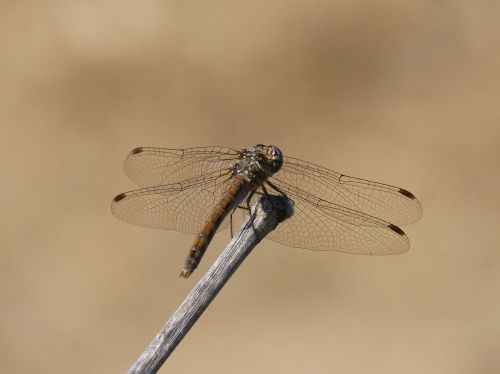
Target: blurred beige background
{"x":406,"y":93}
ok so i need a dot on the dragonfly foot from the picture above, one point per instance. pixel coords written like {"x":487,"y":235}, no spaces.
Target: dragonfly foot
{"x":185,"y":273}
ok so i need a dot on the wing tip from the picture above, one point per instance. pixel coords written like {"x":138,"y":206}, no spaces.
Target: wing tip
{"x":119,"y":197}
{"x":407,"y":193}
{"x":136,"y":151}
{"x":396,"y":229}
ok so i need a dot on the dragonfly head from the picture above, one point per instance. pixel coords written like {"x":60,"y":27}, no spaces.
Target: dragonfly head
{"x":270,"y":158}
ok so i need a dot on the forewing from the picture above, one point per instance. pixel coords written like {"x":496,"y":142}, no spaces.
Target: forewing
{"x":182,"y":206}
{"x":388,"y":203}
{"x":148,"y":166}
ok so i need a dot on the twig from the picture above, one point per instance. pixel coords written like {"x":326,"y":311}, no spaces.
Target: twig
{"x":269,"y":211}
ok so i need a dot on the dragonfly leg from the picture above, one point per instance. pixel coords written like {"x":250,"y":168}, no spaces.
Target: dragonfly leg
{"x":265,"y":191}
{"x":231,"y":222}
{"x":255,"y":192}
{"x":249,"y":198}
{"x":278,"y":190}
{"x":275,"y":188}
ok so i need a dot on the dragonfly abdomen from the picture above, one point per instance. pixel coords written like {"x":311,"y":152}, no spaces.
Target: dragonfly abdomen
{"x":232,"y":197}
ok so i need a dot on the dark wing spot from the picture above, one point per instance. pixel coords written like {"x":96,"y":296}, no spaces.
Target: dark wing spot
{"x":396,"y":229}
{"x":137,"y":150}
{"x":407,"y":194}
{"x":119,"y":197}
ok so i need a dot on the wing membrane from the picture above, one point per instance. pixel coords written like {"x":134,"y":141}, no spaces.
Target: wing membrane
{"x":182,"y":206}
{"x":148,"y":166}
{"x":389,"y":203}
{"x":322,"y":226}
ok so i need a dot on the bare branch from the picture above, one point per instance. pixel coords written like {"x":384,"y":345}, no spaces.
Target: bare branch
{"x":269,"y":211}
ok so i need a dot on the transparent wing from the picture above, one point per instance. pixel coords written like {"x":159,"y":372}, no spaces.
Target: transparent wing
{"x":181,"y":206}
{"x":388,"y":203}
{"x":324,"y":226}
{"x":148,"y":166}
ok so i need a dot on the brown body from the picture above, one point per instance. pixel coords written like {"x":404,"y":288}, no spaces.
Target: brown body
{"x":235,"y":193}
{"x":254,"y":167}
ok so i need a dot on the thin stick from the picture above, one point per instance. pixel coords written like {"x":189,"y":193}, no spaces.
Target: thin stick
{"x":269,"y":211}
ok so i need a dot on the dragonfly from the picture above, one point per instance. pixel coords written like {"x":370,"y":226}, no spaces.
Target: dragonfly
{"x":197,"y":191}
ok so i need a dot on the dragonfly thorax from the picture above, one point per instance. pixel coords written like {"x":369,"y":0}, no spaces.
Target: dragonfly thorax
{"x":260,"y":161}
